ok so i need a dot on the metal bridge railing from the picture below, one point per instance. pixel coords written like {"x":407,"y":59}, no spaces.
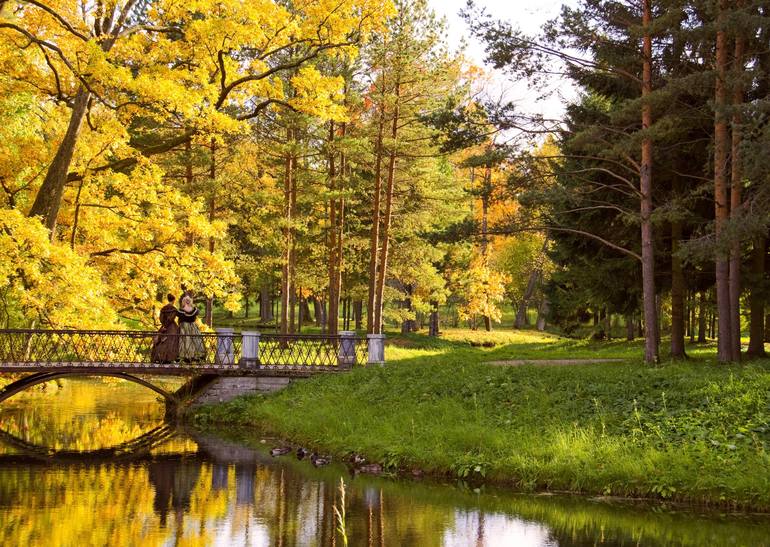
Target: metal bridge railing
{"x":224,"y":348}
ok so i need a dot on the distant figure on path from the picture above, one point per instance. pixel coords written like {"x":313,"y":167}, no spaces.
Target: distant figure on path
{"x":165,"y":345}
{"x":191,"y":343}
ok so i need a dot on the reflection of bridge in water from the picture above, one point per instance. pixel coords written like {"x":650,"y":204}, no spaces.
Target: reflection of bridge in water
{"x":140,"y":449}
{"x":232,"y":363}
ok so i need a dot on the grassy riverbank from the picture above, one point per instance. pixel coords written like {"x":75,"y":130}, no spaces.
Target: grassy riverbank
{"x":693,"y":431}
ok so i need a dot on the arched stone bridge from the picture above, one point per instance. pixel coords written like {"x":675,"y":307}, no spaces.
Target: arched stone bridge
{"x":233,"y":363}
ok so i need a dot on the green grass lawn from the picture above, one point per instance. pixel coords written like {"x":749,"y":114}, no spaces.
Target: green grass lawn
{"x":694,"y":431}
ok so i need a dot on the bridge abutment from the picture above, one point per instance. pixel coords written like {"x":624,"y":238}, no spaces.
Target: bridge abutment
{"x":227,"y":388}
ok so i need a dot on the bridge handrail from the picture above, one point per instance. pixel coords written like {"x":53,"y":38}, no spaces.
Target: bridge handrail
{"x":224,"y":348}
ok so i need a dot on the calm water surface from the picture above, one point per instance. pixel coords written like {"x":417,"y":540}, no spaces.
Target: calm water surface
{"x":167,"y":487}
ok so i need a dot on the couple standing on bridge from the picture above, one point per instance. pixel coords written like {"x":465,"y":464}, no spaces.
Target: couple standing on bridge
{"x":178,"y":342}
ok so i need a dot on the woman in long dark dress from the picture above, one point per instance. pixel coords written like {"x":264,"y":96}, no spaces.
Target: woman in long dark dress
{"x":165,"y":346}
{"x":191,"y":343}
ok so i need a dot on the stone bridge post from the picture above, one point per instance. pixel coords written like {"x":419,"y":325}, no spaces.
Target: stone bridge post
{"x":249,"y":349}
{"x":347,"y":352}
{"x":376,"y":349}
{"x":225,"y":350}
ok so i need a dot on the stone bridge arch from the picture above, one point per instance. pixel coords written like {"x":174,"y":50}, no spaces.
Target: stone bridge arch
{"x":27,"y":382}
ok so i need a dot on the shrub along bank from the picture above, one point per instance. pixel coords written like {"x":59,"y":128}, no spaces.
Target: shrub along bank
{"x":693,"y":431}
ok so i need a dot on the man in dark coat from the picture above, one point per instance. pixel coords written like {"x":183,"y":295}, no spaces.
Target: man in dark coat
{"x":165,"y":347}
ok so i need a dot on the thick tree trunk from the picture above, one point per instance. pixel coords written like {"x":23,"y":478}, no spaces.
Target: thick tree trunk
{"x":725,"y":346}
{"x":677,"y":294}
{"x":388,"y":216}
{"x":757,"y":300}
{"x":736,"y":184}
{"x":651,"y":339}
{"x":49,"y":196}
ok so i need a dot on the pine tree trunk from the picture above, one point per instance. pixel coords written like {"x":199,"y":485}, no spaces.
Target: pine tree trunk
{"x":677,"y":294}
{"x":736,"y":184}
{"x":725,"y":351}
{"x":388,"y":216}
{"x":757,"y":299}
{"x":49,"y":196}
{"x":651,"y":340}
{"x":374,"y":240}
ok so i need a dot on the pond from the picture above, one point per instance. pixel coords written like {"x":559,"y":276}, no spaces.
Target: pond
{"x":164,"y":486}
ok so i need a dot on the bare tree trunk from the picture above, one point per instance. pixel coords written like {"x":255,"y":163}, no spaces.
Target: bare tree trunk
{"x":736,"y":184}
{"x":608,"y":324}
{"x":725,"y":352}
{"x":49,"y":196}
{"x":757,"y":299}
{"x":677,"y":294}
{"x":388,"y":216}
{"x":651,"y":340}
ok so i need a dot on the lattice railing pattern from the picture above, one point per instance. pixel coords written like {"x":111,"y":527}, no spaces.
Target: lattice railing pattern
{"x":110,"y":348}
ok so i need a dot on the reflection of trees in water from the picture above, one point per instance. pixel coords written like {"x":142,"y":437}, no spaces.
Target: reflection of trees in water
{"x":78,"y":417}
{"x":187,"y":499}
{"x":174,"y":483}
